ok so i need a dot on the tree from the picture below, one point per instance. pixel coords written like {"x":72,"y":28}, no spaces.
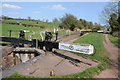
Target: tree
{"x":29,"y":18}
{"x":107,"y":11}
{"x":110,"y":16}
{"x":84,"y":24}
{"x":62,"y":26}
{"x":113,"y":22}
{"x":118,"y":13}
{"x":69,"y":21}
{"x":47,"y":20}
{"x":72,"y":27}
{"x":90,"y":25}
{"x":55,"y":20}
{"x":79,"y":24}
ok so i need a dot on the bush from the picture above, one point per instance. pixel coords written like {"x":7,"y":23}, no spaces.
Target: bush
{"x":116,"y":34}
{"x":32,"y":25}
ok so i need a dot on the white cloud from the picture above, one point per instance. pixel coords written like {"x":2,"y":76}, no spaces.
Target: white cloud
{"x":55,"y":7}
{"x":58,"y":7}
{"x":11,"y":6}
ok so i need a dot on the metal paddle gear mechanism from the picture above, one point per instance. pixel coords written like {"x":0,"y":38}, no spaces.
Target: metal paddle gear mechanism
{"x":49,"y":44}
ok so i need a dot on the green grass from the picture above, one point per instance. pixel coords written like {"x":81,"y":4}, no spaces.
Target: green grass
{"x":114,"y":40}
{"x":6,"y":27}
{"x":104,"y":39}
{"x":1,"y":42}
{"x":96,"y":40}
{"x":100,"y":55}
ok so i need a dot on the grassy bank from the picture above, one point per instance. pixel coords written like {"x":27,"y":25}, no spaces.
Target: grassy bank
{"x":35,"y":31}
{"x":6,"y":27}
{"x":114,"y":40}
{"x":32,"y":22}
{"x":100,"y":55}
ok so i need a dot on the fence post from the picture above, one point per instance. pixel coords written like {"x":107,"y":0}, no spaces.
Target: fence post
{"x":10,"y":33}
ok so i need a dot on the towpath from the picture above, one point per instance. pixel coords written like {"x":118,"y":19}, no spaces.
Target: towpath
{"x":112,"y":51}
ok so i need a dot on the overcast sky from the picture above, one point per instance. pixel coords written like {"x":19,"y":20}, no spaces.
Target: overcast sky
{"x":89,"y":11}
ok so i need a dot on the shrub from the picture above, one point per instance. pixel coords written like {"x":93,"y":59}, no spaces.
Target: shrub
{"x":32,"y":25}
{"x":116,"y":34}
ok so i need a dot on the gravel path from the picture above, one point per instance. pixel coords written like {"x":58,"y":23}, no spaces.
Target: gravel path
{"x":112,"y":52}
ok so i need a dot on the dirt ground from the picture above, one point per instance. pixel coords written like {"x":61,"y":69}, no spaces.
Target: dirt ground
{"x":112,"y":52}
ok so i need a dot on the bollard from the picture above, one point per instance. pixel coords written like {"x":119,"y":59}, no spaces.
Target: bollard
{"x":10,"y":33}
{"x":52,"y":73}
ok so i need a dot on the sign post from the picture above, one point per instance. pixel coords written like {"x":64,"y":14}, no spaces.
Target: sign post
{"x":79,"y":48}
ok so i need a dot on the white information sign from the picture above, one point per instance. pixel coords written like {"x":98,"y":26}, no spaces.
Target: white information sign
{"x":80,"y":48}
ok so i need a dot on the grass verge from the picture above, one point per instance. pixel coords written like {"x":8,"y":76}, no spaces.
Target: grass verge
{"x":114,"y":40}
